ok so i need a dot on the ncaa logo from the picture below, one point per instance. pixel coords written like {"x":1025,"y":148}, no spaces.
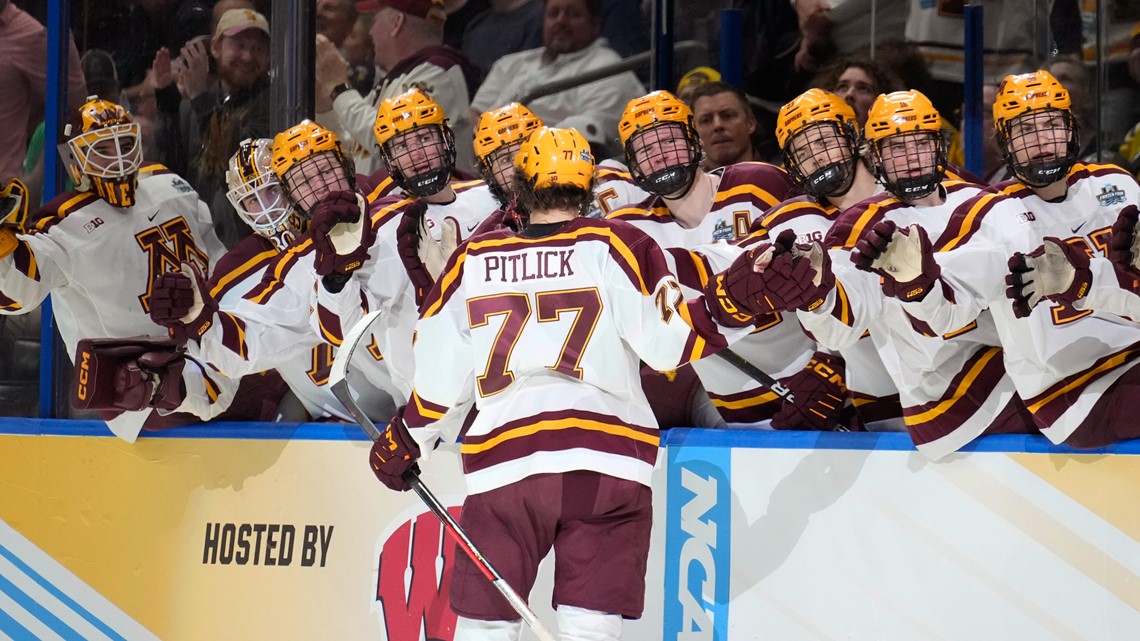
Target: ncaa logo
{"x":413,"y":578}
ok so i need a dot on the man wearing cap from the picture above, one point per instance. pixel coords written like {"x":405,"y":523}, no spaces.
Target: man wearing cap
{"x":572,"y":45}
{"x":408,"y":38}
{"x":204,"y":119}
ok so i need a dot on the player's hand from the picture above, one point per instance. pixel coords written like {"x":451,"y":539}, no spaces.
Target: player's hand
{"x":152,"y":380}
{"x":194,"y":76}
{"x":13,"y":215}
{"x":763,"y":280}
{"x":823,"y":281}
{"x":1056,"y":270}
{"x":820,"y":390}
{"x":1124,"y":245}
{"x":394,"y":453}
{"x":903,"y":259}
{"x":424,"y":257}
{"x":181,"y":302}
{"x":342,"y":235}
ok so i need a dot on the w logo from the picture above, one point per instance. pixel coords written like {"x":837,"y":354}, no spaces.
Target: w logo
{"x":415,"y":568}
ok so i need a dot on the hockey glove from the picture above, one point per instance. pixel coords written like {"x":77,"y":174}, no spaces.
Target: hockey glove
{"x":820,"y":392}
{"x":394,"y":453}
{"x":1056,"y":270}
{"x":903,"y":260}
{"x":181,"y":302}
{"x":823,"y":281}
{"x":342,"y":235}
{"x":1124,"y":245}
{"x":424,"y":257}
{"x":128,"y":374}
{"x":763,"y":280}
{"x":13,"y":215}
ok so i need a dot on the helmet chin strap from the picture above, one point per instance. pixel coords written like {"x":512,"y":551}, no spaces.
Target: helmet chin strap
{"x":834,"y":179}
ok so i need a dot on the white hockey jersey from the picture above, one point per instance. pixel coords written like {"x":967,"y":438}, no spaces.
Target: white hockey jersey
{"x":545,"y":334}
{"x":1061,"y":359}
{"x":952,"y":385}
{"x":778,"y":347}
{"x":873,"y":393}
{"x":383,"y":283}
{"x":614,"y":189}
{"x":98,"y":263}
{"x":238,"y":347}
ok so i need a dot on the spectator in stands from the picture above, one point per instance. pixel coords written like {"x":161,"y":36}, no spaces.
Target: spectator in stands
{"x":204,"y":121}
{"x":360,"y":54}
{"x":509,"y":26}
{"x":23,"y":76}
{"x":572,"y":45}
{"x":335,"y":19}
{"x":223,"y":6}
{"x":407,"y":36}
{"x":841,"y":27}
{"x":689,"y":82}
{"x":152,"y":25}
{"x":725,"y":123}
{"x":858,"y":81}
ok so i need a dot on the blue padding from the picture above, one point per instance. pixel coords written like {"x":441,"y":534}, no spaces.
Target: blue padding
{"x":788,"y":440}
{"x":695,"y":437}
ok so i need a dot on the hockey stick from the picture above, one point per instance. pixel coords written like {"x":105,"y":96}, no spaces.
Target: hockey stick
{"x":338,"y":382}
{"x":762,"y":377}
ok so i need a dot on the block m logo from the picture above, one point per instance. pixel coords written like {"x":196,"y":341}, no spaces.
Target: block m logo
{"x":168,"y":246}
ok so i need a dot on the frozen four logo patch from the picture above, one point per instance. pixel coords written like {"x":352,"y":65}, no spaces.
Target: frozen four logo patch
{"x":1110,"y":196}
{"x":723,"y":231}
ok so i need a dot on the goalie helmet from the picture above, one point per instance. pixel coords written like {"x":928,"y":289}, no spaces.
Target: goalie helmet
{"x":498,"y":136}
{"x":662,"y":148}
{"x":416,"y":144}
{"x":817,"y":134}
{"x":556,"y":158}
{"x":309,"y":163}
{"x":257,"y":196}
{"x":106,"y":150}
{"x":1035,"y":128}
{"x":904,"y":132}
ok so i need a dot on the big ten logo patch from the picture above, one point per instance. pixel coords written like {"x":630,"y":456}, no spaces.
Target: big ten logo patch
{"x":413,"y":579}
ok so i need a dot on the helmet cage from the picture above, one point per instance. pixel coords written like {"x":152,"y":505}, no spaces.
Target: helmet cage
{"x":833,"y":146}
{"x":398,"y":151}
{"x":110,"y":157}
{"x":309,"y":180}
{"x":499,"y":181}
{"x":931,"y":164}
{"x":672,"y":177}
{"x":261,"y":202}
{"x":1021,"y":136}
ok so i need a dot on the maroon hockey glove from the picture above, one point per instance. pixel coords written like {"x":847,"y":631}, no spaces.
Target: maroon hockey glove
{"x":823,"y":281}
{"x":181,"y":302}
{"x":819,"y":390}
{"x":341,"y":236}
{"x":1056,"y":270}
{"x":128,"y":374}
{"x":763,"y":280}
{"x":408,"y":235}
{"x":394,"y":453}
{"x":903,"y":259}
{"x":1124,"y":245}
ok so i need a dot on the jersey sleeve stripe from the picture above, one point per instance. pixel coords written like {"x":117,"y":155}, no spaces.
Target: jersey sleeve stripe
{"x":330,"y":326}
{"x":692,"y":268}
{"x":970,"y":223}
{"x":1071,"y":385}
{"x":750,"y":192}
{"x":233,"y":334}
{"x":980,"y":368}
{"x":872,"y":211}
{"x":842,"y":308}
{"x":446,"y":286}
{"x":275,"y":279}
{"x":24,"y":260}
{"x":8,"y":305}
{"x":234,"y":276}
{"x":420,"y":412}
{"x":381,"y":190}
{"x":66,"y":207}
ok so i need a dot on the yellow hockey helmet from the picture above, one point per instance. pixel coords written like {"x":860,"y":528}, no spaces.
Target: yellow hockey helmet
{"x":644,"y":115}
{"x":107,"y":149}
{"x":552,"y":157}
{"x":901,"y":112}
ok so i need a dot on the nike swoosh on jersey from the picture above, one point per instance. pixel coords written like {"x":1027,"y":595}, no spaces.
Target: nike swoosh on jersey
{"x":151,"y":217}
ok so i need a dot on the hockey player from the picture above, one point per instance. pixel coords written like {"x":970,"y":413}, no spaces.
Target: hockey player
{"x":97,"y":249}
{"x":952,"y":381}
{"x":544,"y":330}
{"x":409,"y":239}
{"x":1072,"y":366}
{"x":237,"y":346}
{"x":817,"y":132}
{"x":692,"y":209}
